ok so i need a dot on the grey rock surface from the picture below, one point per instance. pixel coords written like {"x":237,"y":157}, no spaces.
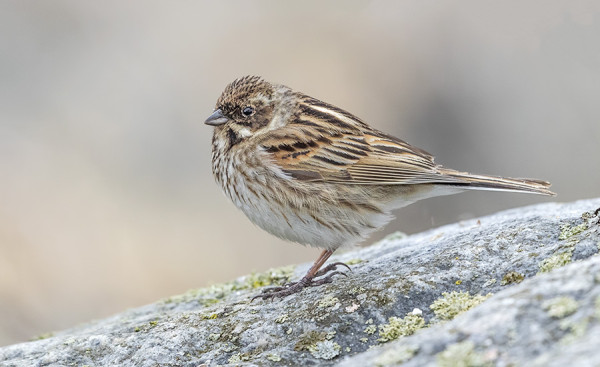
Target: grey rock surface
{"x":549,"y":320}
{"x":520,"y":287}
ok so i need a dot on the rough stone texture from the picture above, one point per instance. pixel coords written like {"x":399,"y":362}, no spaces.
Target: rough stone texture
{"x":525,"y":279}
{"x":549,"y":320}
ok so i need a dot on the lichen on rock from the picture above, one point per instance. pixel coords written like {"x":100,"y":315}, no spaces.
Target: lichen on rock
{"x":326,"y":349}
{"x":397,"y":327}
{"x":452,"y":304}
{"x":560,"y":307}
{"x":512,"y":277}
{"x":555,"y":261}
{"x":461,"y":355}
{"x":547,"y":318}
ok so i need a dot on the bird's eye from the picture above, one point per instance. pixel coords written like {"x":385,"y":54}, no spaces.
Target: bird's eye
{"x":248,"y":111}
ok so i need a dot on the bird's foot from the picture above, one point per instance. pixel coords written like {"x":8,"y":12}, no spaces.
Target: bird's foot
{"x":324,"y":276}
{"x":332,"y":267}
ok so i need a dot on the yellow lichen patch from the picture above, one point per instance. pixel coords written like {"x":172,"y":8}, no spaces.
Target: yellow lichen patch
{"x":555,"y":261}
{"x":238,"y":357}
{"x":326,"y":349}
{"x":371,"y":329}
{"x":512,"y":277}
{"x":212,"y":316}
{"x":273,"y":357}
{"x":397,"y":327}
{"x":311,"y":338}
{"x":461,"y":354}
{"x":328,"y":301}
{"x":560,"y":307}
{"x":354,"y":261}
{"x":42,"y":336}
{"x":145,"y":327}
{"x":217,"y":292}
{"x":281,"y":319}
{"x":277,"y":276}
{"x":567,"y":234}
{"x":206,"y":296}
{"x":567,"y":231}
{"x":454,"y":303}
{"x":576,"y":330}
{"x":396,"y":356}
{"x":356,"y":290}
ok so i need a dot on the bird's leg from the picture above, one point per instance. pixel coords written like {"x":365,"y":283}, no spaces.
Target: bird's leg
{"x":307,"y":280}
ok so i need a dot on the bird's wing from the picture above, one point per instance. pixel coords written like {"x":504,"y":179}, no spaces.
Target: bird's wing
{"x":327,"y":144}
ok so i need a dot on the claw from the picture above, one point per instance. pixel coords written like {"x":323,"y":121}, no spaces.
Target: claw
{"x":326,"y":276}
{"x":331,"y":267}
{"x":273,"y":289}
{"x":339,"y":263}
{"x":255,"y":297}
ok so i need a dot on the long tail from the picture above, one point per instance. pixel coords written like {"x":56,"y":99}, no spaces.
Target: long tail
{"x":484,"y":182}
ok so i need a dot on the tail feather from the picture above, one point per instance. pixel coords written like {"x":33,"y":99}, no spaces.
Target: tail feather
{"x":484,"y":182}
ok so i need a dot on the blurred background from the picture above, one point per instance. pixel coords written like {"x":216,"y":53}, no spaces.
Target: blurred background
{"x":107,"y":200}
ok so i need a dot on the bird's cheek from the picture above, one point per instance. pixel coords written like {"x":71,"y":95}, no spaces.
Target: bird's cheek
{"x":244,"y":132}
{"x":259,"y":123}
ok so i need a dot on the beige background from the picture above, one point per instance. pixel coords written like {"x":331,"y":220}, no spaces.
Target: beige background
{"x":106,"y":196}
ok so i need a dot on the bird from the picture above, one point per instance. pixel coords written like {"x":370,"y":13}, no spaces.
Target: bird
{"x":312,"y":173}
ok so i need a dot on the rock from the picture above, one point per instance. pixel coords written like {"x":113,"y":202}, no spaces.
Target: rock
{"x":520,"y":287}
{"x":549,"y":320}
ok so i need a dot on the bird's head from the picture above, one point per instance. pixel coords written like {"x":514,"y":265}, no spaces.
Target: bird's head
{"x":248,"y":106}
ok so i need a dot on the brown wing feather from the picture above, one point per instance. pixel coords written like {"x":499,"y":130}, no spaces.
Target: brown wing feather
{"x":325,"y":143}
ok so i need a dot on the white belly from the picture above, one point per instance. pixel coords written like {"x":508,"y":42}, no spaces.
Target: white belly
{"x":263,"y":193}
{"x":308,"y":222}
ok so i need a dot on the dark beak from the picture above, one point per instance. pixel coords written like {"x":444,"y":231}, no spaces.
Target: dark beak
{"x":216,"y":119}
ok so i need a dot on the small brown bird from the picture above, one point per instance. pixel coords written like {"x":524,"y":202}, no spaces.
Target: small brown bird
{"x":312,"y":173}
